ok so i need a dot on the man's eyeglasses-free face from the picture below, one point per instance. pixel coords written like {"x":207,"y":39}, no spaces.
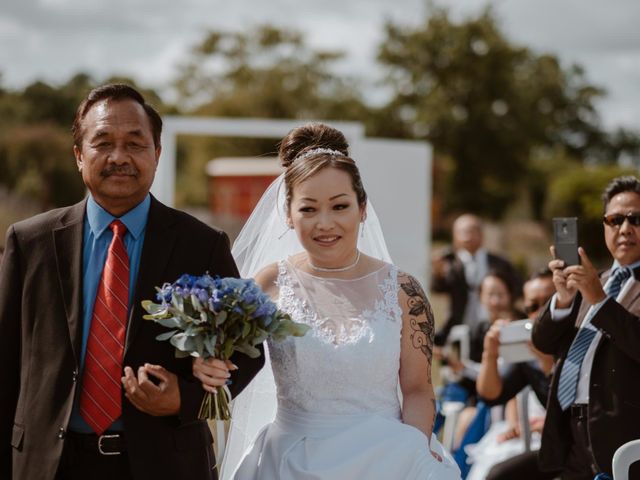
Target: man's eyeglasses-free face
{"x":617,"y":219}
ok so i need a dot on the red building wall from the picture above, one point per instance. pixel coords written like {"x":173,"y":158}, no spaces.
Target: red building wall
{"x":236,"y":196}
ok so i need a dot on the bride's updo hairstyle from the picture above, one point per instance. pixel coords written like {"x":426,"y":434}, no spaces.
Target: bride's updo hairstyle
{"x":297,"y":154}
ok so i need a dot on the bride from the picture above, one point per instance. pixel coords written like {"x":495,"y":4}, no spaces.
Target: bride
{"x":339,"y":415}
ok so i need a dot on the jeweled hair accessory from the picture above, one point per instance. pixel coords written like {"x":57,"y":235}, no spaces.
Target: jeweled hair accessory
{"x":319,"y":151}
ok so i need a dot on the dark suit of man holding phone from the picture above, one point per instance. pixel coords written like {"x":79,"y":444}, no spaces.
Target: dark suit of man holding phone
{"x":592,"y":325}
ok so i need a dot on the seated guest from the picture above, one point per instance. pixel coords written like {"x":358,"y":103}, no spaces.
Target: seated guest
{"x":497,"y":303}
{"x":500,"y":385}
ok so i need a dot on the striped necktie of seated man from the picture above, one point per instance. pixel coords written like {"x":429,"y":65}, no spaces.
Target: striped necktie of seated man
{"x":101,"y":396}
{"x":568,"y":383}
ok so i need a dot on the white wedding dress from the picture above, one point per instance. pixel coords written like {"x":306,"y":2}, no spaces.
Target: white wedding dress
{"x":338,"y":411}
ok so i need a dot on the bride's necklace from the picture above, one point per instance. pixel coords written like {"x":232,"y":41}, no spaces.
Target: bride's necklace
{"x":336,"y":269}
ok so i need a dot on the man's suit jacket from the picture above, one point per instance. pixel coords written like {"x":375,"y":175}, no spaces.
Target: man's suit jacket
{"x":614,"y":391}
{"x":40,"y":341}
{"x":455,"y":284}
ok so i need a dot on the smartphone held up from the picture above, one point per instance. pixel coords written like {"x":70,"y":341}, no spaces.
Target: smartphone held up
{"x":565,"y":240}
{"x":514,"y":341}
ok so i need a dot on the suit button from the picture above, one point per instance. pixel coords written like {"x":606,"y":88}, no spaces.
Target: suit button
{"x":61,"y":433}
{"x":75,"y":376}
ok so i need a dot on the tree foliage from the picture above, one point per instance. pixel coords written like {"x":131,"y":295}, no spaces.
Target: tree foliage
{"x":486,"y":104}
{"x":266,"y":72}
{"x":262,"y":72}
{"x":577,"y":192}
{"x":38,"y":164}
{"x":502,"y":118}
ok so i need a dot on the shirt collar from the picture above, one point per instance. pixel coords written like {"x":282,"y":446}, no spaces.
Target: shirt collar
{"x":635,"y":268}
{"x":465,"y":256}
{"x":135,"y":219}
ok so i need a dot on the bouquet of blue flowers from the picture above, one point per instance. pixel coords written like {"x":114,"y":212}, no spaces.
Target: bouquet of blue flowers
{"x":215,"y":317}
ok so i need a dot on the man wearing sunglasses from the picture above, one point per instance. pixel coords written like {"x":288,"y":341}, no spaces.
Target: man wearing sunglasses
{"x":592,"y":325}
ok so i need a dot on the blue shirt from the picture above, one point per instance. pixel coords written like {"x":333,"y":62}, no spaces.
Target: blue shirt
{"x":97,"y":237}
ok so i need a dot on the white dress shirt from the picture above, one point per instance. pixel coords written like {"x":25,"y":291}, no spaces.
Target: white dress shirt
{"x":475,"y":269}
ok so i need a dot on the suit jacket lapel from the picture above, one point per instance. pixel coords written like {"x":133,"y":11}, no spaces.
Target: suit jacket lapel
{"x":582,"y":312}
{"x":628,"y":299}
{"x":584,"y":305}
{"x":159,"y":239}
{"x":631,"y":295}
{"x":68,"y":241}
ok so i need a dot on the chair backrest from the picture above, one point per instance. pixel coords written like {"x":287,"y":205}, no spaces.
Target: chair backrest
{"x":461,"y":334}
{"x":451,"y":412}
{"x":459,"y":340}
{"x":523,"y":417}
{"x":623,"y":458}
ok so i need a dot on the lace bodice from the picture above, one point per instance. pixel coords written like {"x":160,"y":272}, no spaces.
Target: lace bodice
{"x":349,"y":360}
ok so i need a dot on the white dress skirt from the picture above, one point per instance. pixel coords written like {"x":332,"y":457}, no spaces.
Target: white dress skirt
{"x":324,"y":446}
{"x":338,"y":410}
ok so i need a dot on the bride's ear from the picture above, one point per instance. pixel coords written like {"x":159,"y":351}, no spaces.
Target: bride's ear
{"x":363,"y":212}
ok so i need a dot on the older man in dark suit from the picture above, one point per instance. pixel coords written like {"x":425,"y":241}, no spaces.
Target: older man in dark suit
{"x":460,"y":271}
{"x":71,"y":324}
{"x":592,"y":325}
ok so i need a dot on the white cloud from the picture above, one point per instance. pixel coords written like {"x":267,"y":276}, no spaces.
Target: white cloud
{"x":53,"y":39}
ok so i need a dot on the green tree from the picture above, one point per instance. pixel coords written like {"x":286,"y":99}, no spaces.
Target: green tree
{"x":263,"y":72}
{"x":485,"y":104}
{"x":40,"y":165}
{"x":578,"y":193}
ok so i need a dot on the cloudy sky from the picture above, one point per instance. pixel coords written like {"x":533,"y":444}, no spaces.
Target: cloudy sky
{"x":146,"y":39}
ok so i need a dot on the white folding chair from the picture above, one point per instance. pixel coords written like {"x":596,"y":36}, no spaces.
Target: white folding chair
{"x":461,"y":334}
{"x":451,"y":412}
{"x":623,"y":458}
{"x":523,"y":417}
{"x":450,"y":409}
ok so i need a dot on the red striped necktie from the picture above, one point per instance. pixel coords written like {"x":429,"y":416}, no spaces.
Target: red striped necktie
{"x":101,"y":397}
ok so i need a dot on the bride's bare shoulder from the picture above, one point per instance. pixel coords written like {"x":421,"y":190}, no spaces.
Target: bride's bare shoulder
{"x":267,"y":278}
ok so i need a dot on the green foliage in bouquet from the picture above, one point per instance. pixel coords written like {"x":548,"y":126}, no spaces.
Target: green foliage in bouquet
{"x":215,"y":317}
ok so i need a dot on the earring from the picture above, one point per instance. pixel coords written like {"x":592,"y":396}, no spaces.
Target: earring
{"x":362,"y":229}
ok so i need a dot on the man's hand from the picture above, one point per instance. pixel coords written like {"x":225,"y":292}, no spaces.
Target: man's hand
{"x":512,"y":432}
{"x":537,"y":424}
{"x":491,"y":345}
{"x":564,"y":293}
{"x":159,"y":400}
{"x":584,"y":277}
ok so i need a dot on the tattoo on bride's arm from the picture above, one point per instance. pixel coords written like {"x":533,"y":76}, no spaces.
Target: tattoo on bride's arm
{"x":422,"y":320}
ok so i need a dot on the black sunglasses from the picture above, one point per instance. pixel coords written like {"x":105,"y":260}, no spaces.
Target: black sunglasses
{"x":617,"y":219}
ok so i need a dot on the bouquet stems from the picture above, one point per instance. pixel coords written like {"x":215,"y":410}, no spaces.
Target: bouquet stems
{"x":215,"y":406}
